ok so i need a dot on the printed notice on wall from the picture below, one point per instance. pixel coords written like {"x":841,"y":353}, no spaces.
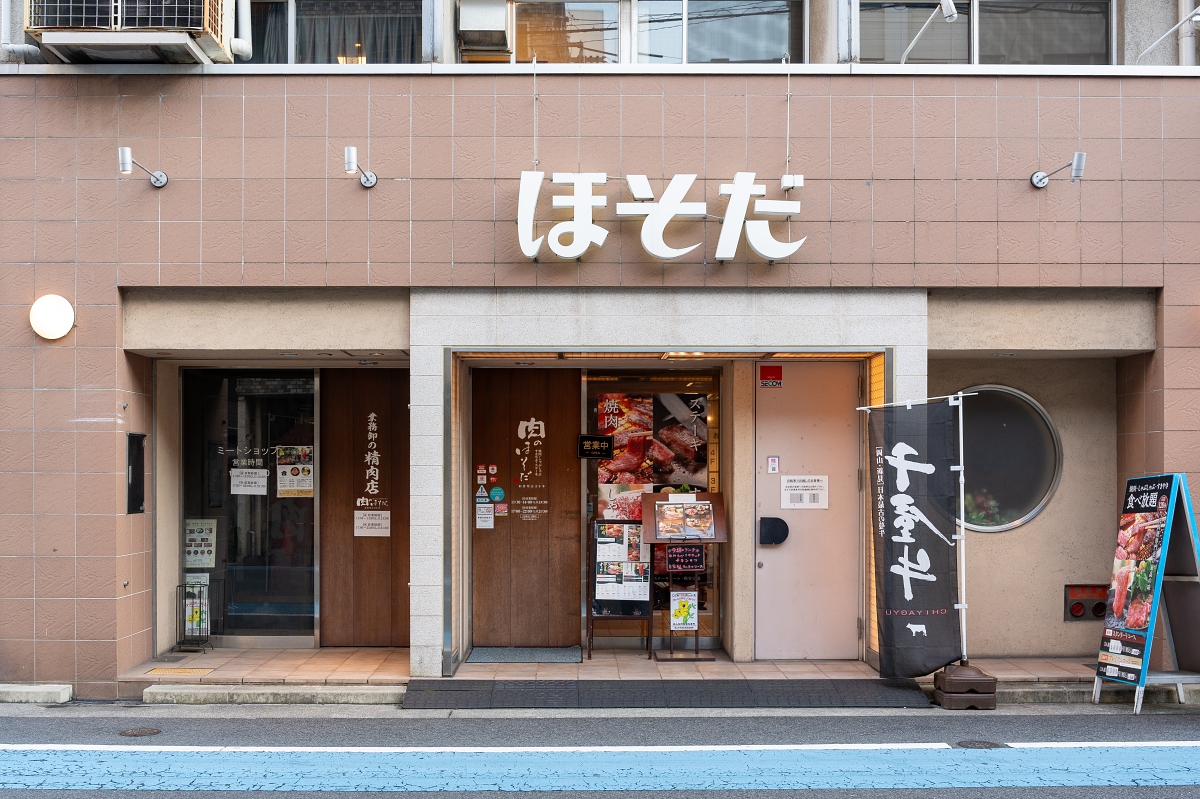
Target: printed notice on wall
{"x":485,"y":517}
{"x":804,"y":491}
{"x":294,"y":471}
{"x":199,"y":543}
{"x":248,"y":481}
{"x":373,"y":523}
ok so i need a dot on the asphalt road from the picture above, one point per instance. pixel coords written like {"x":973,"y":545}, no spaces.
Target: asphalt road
{"x":315,"y":726}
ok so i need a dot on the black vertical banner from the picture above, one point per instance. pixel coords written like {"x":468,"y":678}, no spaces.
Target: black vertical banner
{"x":913,"y":499}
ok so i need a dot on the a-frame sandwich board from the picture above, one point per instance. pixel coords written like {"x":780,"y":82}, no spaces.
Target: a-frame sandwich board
{"x":1156,"y":570}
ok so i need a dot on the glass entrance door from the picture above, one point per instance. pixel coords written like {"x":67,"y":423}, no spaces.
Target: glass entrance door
{"x":249,"y":466}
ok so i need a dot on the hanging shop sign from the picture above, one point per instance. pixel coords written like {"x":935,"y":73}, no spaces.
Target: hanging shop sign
{"x":294,"y":471}
{"x":595,"y":447}
{"x":571,"y":238}
{"x":913,"y":496}
{"x":199,"y":543}
{"x":1156,"y":560}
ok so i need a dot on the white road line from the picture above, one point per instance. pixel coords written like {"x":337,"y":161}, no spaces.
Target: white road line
{"x":1098,"y":744}
{"x":462,"y":749}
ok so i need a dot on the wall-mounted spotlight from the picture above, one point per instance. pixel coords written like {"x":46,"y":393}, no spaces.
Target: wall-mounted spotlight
{"x":126,"y":163}
{"x":1040,"y":179}
{"x":368,"y":179}
{"x":949,"y":12}
{"x":52,"y":316}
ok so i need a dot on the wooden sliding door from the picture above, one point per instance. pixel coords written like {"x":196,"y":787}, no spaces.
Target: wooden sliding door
{"x":526,"y":565}
{"x":363,"y":462}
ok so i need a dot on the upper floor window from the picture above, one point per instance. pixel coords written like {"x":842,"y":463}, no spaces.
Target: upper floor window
{"x":719,"y":31}
{"x":989,"y":32}
{"x":653,"y":32}
{"x":337,"y":31}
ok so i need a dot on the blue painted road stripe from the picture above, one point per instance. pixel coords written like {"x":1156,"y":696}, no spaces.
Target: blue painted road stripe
{"x":879,"y":766}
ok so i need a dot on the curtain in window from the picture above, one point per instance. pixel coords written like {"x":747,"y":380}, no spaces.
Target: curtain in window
{"x":358,"y":31}
{"x":268,"y":23}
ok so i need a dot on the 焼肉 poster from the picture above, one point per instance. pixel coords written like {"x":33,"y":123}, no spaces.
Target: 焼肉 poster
{"x":657,"y":439}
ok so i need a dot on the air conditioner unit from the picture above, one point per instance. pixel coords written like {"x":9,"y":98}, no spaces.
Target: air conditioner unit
{"x":176,"y":31}
{"x":483,"y":25}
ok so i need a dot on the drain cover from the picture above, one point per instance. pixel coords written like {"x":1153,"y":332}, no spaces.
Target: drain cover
{"x":980,"y":745}
{"x":140,"y":732}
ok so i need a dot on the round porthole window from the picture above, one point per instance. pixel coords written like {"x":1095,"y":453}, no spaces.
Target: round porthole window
{"x":1013,"y":458}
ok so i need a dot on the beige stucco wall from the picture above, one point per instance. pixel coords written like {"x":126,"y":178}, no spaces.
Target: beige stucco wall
{"x":1015,"y":579}
{"x":1040,"y":322}
{"x":211,"y":321}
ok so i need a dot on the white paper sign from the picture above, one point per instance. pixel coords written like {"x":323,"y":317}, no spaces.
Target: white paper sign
{"x":804,"y":491}
{"x":683,"y":610}
{"x":373,"y":523}
{"x":485,"y":517}
{"x":199,"y":543}
{"x":248,"y":481}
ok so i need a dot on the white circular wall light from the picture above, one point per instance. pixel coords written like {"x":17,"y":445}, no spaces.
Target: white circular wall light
{"x":52,"y":316}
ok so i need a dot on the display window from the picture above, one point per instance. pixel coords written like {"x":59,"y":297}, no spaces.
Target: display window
{"x":249,"y":474}
{"x":1013,"y":458}
{"x":665,"y":427}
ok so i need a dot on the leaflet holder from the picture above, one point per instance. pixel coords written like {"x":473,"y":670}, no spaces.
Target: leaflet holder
{"x":772,"y":530}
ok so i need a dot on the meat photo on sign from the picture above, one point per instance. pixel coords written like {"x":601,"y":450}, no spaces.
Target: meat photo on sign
{"x":629,"y":419}
{"x":678,"y":452}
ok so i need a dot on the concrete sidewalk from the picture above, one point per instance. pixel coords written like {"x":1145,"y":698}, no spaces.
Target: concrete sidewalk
{"x":334,"y":675}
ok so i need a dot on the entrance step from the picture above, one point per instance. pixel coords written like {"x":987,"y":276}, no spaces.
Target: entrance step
{"x":470,"y":694}
{"x":183,"y":694}
{"x":39,"y":694}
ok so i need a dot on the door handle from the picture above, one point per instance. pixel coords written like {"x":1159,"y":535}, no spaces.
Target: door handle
{"x":772,"y":530}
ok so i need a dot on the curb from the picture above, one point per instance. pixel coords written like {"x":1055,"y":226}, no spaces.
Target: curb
{"x":37,"y":694}
{"x":1081,"y":694}
{"x":273,"y":694}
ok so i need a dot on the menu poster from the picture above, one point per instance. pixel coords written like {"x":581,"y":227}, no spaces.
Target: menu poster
{"x":684,"y":520}
{"x":294,"y":471}
{"x":199,"y":543}
{"x":657,"y":438}
{"x":683,"y":610}
{"x":625,"y":581}
{"x":1147,"y":513}
{"x":622,"y":570}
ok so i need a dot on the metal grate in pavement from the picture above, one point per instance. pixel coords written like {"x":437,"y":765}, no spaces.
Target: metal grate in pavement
{"x":472,"y":694}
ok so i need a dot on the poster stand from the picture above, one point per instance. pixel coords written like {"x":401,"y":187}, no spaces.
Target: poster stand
{"x":615,"y":609}
{"x":658,"y":532}
{"x":1126,"y":646}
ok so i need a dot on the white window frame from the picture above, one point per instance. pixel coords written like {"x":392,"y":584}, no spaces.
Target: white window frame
{"x":973,"y":20}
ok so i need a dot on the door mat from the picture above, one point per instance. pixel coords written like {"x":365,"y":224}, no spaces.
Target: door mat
{"x":466,"y":694}
{"x":526,"y":654}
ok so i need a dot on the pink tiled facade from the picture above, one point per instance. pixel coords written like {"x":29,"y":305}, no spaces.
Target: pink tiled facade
{"x":909,"y":181}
